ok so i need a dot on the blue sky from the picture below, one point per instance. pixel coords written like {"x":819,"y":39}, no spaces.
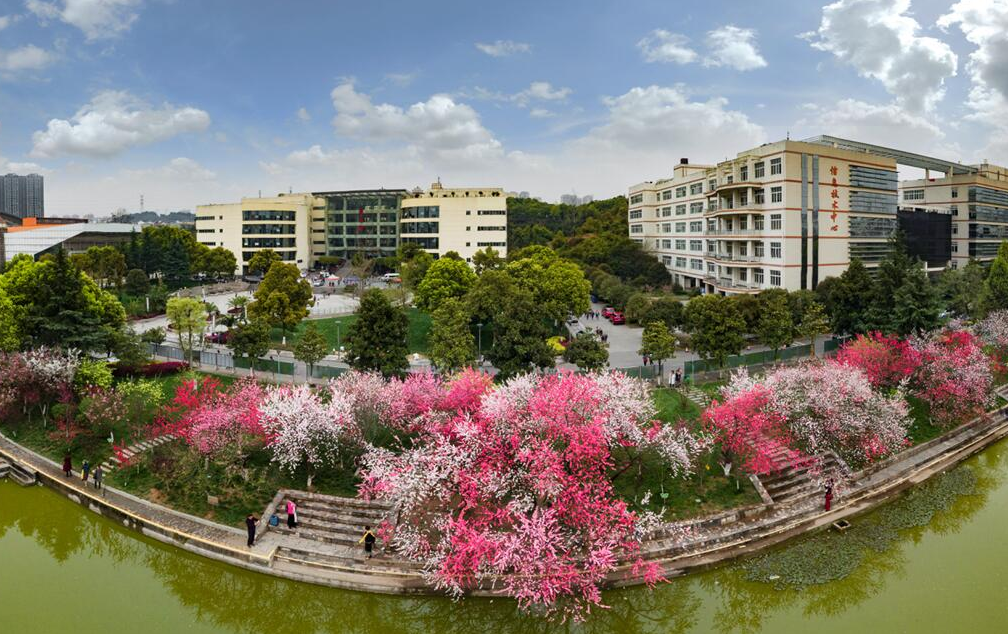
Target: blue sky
{"x":188,"y":102}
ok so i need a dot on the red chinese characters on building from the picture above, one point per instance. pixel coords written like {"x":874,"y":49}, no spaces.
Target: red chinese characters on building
{"x":834,"y":198}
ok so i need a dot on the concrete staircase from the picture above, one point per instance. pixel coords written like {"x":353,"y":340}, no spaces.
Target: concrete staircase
{"x":332,"y":520}
{"x":17,"y":474}
{"x":146,"y":445}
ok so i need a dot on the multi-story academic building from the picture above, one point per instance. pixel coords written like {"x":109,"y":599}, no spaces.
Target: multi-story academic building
{"x":305,"y":227}
{"x":978,"y":201}
{"x":792,"y":213}
{"x":464,"y":220}
{"x":785,"y":214}
{"x":281,"y":223}
{"x":22,"y":196}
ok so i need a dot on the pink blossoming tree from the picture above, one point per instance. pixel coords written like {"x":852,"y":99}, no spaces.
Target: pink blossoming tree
{"x":954,"y":377}
{"x":885,"y":360}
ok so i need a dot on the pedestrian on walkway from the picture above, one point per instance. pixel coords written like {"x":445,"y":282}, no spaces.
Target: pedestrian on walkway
{"x":291,"y":515}
{"x":368,"y":540}
{"x":85,"y":471}
{"x":99,"y":474}
{"x":67,"y":466}
{"x":829,"y":493}
{"x":678,"y":376}
{"x":250,"y":524}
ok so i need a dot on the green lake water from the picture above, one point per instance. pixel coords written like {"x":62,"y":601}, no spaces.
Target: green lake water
{"x":68,"y":570}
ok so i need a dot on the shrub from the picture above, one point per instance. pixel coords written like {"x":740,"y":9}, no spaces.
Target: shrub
{"x":163,"y":368}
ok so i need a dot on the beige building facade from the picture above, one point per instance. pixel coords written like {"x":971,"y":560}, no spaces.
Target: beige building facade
{"x":282,"y":223}
{"x":783,"y":215}
{"x":464,"y":220}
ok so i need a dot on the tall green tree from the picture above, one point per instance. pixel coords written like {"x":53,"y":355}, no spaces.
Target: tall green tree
{"x":488,"y":259}
{"x":557,"y":285}
{"x":813,"y":322}
{"x":587,"y":351}
{"x":637,"y":308}
{"x":10,"y":333}
{"x":137,"y":282}
{"x":250,"y":340}
{"x":996,"y":284}
{"x":282,"y":298}
{"x":657,"y":343}
{"x":188,"y":318}
{"x":716,"y":327}
{"x":519,"y":343}
{"x":415,"y":268}
{"x":451,"y":344}
{"x":311,"y":347}
{"x":666,"y":309}
{"x":218,"y":262}
{"x":852,"y":300}
{"x":775,"y":327}
{"x":262,"y":260}
{"x":963,"y":289}
{"x":916,"y":305}
{"x":377,"y":338}
{"x":445,"y":279}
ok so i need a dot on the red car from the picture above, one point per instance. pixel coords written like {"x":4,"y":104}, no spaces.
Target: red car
{"x":607,"y":312}
{"x":617,"y":318}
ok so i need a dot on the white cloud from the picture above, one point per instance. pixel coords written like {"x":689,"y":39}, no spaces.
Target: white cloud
{"x":114,"y":121}
{"x":401,"y":79}
{"x":97,"y":19}
{"x":541,"y":113}
{"x":303,"y":114}
{"x":438,"y":125}
{"x":663,"y":46}
{"x":734,"y":47}
{"x":181,"y":169}
{"x":881,"y":41}
{"x":663,"y":121}
{"x":7,"y":20}
{"x":504,"y":48}
{"x":21,"y":168}
{"x":540,"y":91}
{"x":882,"y":124}
{"x":28,"y":57}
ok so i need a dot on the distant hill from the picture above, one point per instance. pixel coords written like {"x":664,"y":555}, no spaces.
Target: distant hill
{"x":173,"y":218}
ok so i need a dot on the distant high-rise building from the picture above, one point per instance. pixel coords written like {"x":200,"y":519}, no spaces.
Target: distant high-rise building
{"x":569,"y":199}
{"x":22,"y":196}
{"x":523,"y":194}
{"x":587,"y":199}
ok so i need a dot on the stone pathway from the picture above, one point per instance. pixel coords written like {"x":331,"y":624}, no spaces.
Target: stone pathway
{"x":698,"y":396}
{"x":145,"y":445}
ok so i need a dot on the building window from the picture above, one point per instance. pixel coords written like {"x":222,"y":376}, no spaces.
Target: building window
{"x":680,"y":245}
{"x":776,"y":194}
{"x":743,"y":173}
{"x":636,"y":228}
{"x":955,"y":210}
{"x":758,"y":249}
{"x":680,"y":210}
{"x":696,"y":226}
{"x":696,"y":245}
{"x":955,"y":248}
{"x":775,"y":222}
{"x":666,"y":212}
{"x":743,"y":223}
{"x":696,"y":208}
{"x":680,"y":227}
{"x":680,"y":262}
{"x":680,"y":192}
{"x":666,"y":227}
{"x":696,"y":188}
{"x":775,"y":250}
{"x":757,"y":276}
{"x":758,"y":223}
{"x":634,"y":199}
{"x":913,"y":194}
{"x":759,"y":169}
{"x":774,"y":278}
{"x":636,"y":214}
{"x":666,"y":195}
{"x":712,"y":184}
{"x":955,"y":192}
{"x":666,"y":244}
{"x":696,"y":265}
{"x":775,"y":166}
{"x":758,"y":197}
{"x":743,"y":275}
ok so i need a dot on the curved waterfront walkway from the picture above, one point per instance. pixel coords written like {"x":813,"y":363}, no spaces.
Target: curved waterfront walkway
{"x":713,"y":539}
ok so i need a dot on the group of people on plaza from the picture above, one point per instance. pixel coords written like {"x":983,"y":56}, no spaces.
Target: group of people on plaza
{"x":98,"y":474}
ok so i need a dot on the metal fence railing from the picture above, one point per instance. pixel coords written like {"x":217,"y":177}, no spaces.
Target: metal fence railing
{"x":759,"y":358}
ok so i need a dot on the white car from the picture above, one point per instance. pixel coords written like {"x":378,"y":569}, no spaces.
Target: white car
{"x":388,"y":277}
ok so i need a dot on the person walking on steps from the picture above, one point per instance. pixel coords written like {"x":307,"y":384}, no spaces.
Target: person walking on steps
{"x":368,"y":540}
{"x":85,"y":471}
{"x":99,"y":474}
{"x":291,"y":515}
{"x":829,"y":494}
{"x":67,"y":466}
{"x":250,"y":524}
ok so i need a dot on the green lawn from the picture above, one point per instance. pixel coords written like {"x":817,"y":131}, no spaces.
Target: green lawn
{"x":673,"y":405}
{"x":334,"y":329}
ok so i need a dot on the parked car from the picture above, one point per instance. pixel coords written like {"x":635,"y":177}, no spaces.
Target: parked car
{"x":388,"y":277}
{"x":617,"y":318}
{"x":607,"y":312}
